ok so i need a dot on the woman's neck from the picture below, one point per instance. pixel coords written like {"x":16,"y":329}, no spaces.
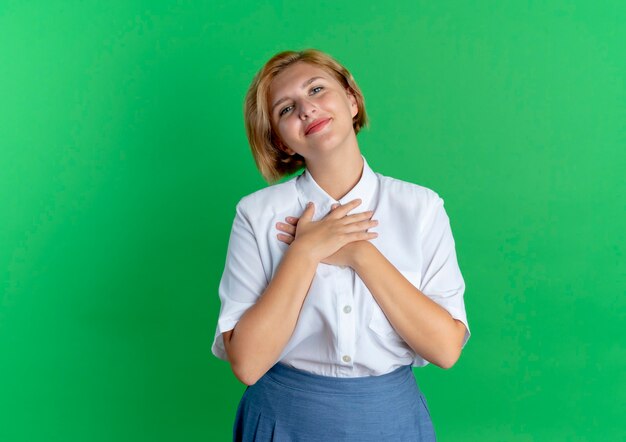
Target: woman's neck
{"x":338,"y":173}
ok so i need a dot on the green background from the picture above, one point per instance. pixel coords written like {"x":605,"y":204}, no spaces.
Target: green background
{"x":123,"y":155}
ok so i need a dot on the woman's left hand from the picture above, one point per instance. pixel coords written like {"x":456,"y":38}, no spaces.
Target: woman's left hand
{"x":342,"y":257}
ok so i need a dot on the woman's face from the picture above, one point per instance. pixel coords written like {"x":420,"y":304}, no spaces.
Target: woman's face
{"x":298,"y":105}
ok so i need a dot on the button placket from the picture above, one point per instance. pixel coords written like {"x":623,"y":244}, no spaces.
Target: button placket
{"x":346,"y":323}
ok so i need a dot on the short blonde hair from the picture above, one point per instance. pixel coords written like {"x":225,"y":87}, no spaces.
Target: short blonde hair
{"x":273,"y":162}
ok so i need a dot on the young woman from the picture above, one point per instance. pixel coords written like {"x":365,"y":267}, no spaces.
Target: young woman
{"x":321,"y":317}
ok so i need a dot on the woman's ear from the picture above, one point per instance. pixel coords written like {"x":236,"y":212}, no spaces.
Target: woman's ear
{"x":354,"y":107}
{"x":284,"y":148}
{"x":278,"y":143}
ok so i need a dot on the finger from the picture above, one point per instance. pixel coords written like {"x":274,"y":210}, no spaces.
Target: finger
{"x":288,"y":228}
{"x":358,"y":217}
{"x":342,"y":211}
{"x":292,"y":220}
{"x":308,"y":211}
{"x":360,"y":236}
{"x":284,"y":238}
{"x":360,"y":226}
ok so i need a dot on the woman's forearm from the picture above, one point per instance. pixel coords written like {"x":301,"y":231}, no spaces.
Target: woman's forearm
{"x":425,"y":326}
{"x":258,"y":339}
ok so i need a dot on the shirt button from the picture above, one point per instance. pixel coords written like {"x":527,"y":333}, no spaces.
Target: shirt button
{"x":346,"y":358}
{"x":347,"y":309}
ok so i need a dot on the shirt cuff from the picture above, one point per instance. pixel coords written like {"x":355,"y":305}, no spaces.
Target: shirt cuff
{"x":223,"y":325}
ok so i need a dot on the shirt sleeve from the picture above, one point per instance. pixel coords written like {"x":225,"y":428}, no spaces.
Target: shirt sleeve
{"x":243,"y":280}
{"x":442,"y":280}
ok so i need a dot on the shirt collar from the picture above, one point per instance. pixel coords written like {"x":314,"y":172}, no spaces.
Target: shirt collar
{"x":366,"y":189}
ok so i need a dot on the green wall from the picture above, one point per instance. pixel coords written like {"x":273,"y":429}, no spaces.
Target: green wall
{"x":120,"y":128}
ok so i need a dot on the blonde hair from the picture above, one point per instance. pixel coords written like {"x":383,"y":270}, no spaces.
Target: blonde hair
{"x":273,"y":162}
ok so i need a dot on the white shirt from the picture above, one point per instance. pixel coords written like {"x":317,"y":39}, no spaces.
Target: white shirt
{"x":341,"y":330}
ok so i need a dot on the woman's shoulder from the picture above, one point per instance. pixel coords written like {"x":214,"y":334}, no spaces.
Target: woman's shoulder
{"x":272,"y":197}
{"x":401,"y":188}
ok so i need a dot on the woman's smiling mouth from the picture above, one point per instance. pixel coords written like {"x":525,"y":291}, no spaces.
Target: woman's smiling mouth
{"x":317,"y":126}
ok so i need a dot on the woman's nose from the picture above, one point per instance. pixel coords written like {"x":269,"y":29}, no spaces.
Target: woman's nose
{"x":306,"y":109}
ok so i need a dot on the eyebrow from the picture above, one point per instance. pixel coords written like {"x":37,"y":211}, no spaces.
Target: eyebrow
{"x":309,"y":81}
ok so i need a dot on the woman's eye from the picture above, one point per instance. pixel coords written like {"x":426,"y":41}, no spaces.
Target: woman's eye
{"x":283,"y":111}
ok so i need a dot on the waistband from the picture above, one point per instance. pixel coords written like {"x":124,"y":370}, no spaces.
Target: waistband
{"x":303,"y":380}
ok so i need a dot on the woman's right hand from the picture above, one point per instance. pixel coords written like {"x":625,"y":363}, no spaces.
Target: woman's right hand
{"x":325,"y":237}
